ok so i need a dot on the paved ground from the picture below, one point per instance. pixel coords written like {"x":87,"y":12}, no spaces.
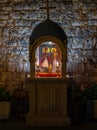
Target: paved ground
{"x":19,"y":125}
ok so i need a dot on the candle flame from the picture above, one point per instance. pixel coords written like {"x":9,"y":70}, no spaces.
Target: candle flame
{"x":37,"y":63}
{"x":57,"y":64}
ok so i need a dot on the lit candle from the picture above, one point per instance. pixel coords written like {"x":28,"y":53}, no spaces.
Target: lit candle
{"x":37,"y":63}
{"x":28,"y":76}
{"x":57,"y":64}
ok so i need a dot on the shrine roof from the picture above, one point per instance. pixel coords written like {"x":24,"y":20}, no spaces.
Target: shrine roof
{"x":48,"y":28}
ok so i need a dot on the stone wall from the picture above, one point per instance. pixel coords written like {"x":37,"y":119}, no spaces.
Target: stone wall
{"x":78,"y":18}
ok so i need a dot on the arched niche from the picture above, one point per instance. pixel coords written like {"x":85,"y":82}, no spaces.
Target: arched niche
{"x":48,"y":93}
{"x":50,"y":43}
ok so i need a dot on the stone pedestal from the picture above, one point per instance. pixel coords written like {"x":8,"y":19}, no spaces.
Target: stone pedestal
{"x":48,"y":102}
{"x":92,"y":109}
{"x":4,"y":110}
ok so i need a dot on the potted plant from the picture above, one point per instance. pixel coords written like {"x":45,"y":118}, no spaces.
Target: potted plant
{"x":90,"y":95}
{"x":5,"y":103}
{"x":5,"y":95}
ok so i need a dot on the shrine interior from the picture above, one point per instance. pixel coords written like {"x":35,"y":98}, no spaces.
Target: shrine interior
{"x":78,"y":19}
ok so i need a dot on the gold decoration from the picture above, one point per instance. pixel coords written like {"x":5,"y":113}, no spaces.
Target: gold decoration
{"x":46,"y":50}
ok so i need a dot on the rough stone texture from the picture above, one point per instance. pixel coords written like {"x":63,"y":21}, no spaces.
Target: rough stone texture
{"x":3,"y":1}
{"x":19,"y":17}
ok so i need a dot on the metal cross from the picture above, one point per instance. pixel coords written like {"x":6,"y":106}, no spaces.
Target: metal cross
{"x":47,"y":7}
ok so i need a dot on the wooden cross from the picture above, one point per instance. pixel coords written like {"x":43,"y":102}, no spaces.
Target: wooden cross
{"x":47,"y":7}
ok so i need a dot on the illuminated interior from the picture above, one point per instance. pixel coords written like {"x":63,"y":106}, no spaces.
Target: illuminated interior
{"x":48,"y":60}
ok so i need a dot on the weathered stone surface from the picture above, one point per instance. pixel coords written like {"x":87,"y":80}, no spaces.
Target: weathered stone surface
{"x":19,"y":17}
{"x":10,"y":22}
{"x":3,"y":1}
{"x":3,"y":23}
{"x":18,"y":7}
{"x":15,"y":15}
{"x":33,"y":15}
{"x":4,"y":15}
{"x":7,"y":8}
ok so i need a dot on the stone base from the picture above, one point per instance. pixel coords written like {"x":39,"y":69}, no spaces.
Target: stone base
{"x":48,"y":102}
{"x":47,"y":121}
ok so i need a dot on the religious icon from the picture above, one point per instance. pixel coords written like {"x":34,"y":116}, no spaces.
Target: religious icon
{"x":45,"y":59}
{"x":55,"y":59}
{"x":48,"y":60}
